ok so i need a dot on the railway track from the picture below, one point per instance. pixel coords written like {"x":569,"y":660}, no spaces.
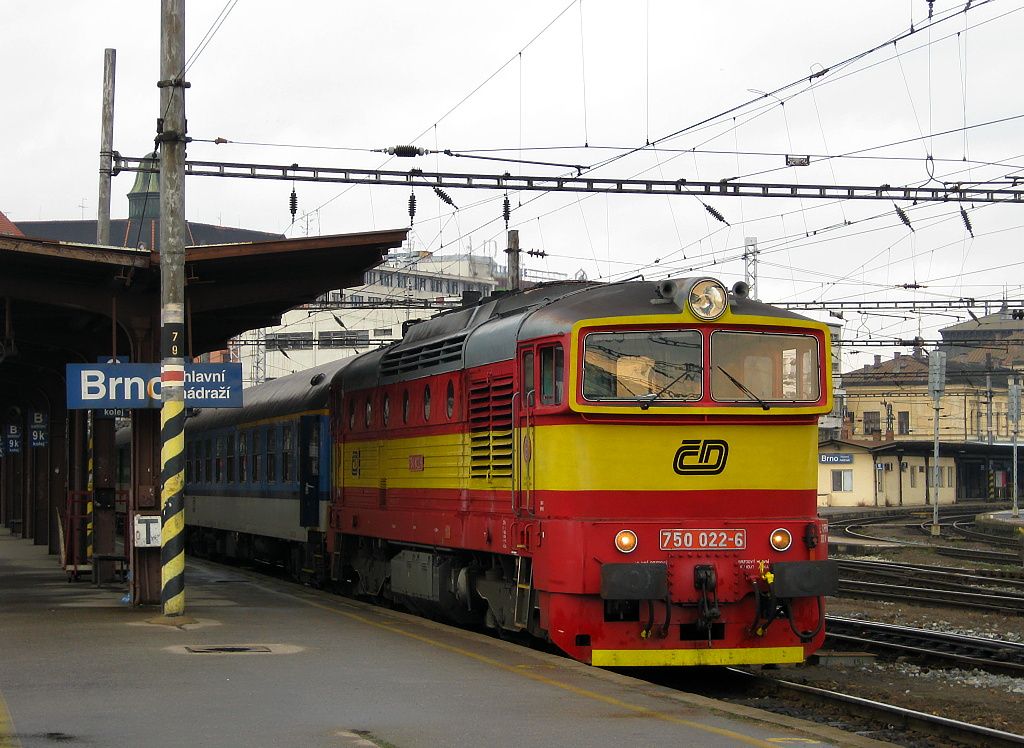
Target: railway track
{"x":990,"y":655}
{"x":963,"y":588}
{"x":892,"y":716}
{"x":853,"y":527}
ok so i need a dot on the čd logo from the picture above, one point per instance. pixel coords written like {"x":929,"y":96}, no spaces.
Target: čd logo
{"x":707,"y":457}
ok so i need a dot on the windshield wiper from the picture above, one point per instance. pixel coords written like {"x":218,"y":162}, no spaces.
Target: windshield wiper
{"x":646,"y":400}
{"x":738,"y":383}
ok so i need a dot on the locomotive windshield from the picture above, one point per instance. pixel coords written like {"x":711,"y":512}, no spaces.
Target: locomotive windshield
{"x":759,"y":366}
{"x":642,"y":365}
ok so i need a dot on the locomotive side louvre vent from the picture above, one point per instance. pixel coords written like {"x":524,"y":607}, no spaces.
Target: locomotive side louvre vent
{"x":432,"y":353}
{"x":490,"y":428}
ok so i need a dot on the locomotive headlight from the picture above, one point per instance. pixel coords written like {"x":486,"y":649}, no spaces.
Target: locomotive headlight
{"x":625,"y":541}
{"x":781,"y":539}
{"x":708,"y":299}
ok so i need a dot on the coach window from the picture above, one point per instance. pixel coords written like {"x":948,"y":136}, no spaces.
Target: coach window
{"x":230,"y":465}
{"x":426,"y":403}
{"x":272,"y":454}
{"x":243,"y":453}
{"x":314,"y":451}
{"x":286,"y":452}
{"x":257,"y":456}
{"x":219,"y":475}
{"x":386,"y":409}
{"x":450,"y":400}
{"x":190,"y":454}
{"x":209,"y":461}
{"x":552,"y":370}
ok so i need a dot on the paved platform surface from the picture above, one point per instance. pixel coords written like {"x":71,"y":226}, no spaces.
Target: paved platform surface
{"x":79,"y":667}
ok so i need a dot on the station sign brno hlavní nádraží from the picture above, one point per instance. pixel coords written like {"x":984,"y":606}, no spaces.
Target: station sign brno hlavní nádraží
{"x":95,"y":386}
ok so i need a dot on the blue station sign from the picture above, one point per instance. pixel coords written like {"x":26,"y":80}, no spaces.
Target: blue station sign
{"x":835,"y":458}
{"x":100,"y":386}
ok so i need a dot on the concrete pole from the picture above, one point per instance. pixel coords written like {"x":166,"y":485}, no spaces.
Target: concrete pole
{"x":513,"y":259}
{"x":172,"y":305}
{"x":935,"y":476}
{"x":106,"y":147}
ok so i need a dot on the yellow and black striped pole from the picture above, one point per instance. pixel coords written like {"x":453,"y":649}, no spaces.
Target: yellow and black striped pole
{"x":90,"y":533}
{"x":172,"y":467}
{"x":171,"y":139}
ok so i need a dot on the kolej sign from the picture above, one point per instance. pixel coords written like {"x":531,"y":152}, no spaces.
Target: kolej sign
{"x":95,"y":386}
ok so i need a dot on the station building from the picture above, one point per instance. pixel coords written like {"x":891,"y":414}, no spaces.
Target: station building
{"x":888,"y":410}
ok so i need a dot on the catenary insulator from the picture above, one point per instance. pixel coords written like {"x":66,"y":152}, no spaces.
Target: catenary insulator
{"x":412,"y":207}
{"x":293,"y":203}
{"x":506,"y":211}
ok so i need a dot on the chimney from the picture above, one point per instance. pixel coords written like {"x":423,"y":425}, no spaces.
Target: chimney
{"x":878,"y":359}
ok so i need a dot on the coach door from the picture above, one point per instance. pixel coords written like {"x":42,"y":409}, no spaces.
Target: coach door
{"x":309,"y":471}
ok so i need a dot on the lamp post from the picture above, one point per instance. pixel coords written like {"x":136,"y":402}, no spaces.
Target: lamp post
{"x":1013,"y":410}
{"x":936,"y":386}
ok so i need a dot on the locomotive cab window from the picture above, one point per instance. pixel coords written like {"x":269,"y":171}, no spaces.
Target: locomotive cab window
{"x":426,"y":403}
{"x":552,"y":375}
{"x":642,"y":365}
{"x":450,"y":400}
{"x":772,"y":367}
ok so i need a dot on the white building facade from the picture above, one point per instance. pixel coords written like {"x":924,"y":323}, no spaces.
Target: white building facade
{"x":345,"y":322}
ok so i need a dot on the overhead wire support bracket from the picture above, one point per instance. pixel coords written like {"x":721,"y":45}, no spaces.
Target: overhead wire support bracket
{"x":503,"y":182}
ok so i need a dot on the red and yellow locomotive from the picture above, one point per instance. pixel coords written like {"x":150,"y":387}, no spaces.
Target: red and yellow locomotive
{"x":627,"y":470}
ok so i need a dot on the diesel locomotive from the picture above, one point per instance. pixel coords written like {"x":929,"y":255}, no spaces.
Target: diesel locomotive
{"x":626,"y":470}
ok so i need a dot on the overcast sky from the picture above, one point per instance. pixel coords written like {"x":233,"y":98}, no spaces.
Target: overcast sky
{"x":327,"y":81}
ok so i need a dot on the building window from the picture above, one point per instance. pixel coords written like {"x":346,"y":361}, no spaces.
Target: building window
{"x":842,"y":480}
{"x":381,"y":332}
{"x":913,"y":477}
{"x":949,"y":476}
{"x":344,"y":338}
{"x":289,"y":341}
{"x":903,"y":422}
{"x":287,"y":440}
{"x":872,"y":422}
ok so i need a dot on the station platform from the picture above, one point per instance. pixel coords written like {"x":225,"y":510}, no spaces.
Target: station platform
{"x":269,"y":663}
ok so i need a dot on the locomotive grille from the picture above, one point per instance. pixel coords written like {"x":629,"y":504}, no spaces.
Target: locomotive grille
{"x":433,"y":353}
{"x":490,"y":428}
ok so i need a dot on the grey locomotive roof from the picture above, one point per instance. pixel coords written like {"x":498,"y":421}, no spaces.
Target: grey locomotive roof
{"x":294,"y":393}
{"x":488,"y":332}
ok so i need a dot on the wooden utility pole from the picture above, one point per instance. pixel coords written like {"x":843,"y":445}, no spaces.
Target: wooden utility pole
{"x":171,"y":139}
{"x":513,"y":260}
{"x":106,"y":147}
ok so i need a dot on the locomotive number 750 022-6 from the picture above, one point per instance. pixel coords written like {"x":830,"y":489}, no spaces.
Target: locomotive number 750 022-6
{"x":733,"y":539}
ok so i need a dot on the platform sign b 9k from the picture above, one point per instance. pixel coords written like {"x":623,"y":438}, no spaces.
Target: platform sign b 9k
{"x":96,"y":386}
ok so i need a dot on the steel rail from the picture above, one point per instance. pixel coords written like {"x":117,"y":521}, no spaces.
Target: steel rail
{"x":946,"y":598}
{"x":909,"y":719}
{"x":991,"y":655}
{"x":933,"y":574}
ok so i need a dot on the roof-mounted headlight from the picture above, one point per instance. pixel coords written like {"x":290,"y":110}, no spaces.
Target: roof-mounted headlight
{"x":708,"y":299}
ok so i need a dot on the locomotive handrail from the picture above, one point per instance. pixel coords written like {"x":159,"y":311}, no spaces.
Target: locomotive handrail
{"x":516,"y":453}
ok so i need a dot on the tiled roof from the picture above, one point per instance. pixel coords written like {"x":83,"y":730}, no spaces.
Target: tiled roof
{"x":7,"y":228}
